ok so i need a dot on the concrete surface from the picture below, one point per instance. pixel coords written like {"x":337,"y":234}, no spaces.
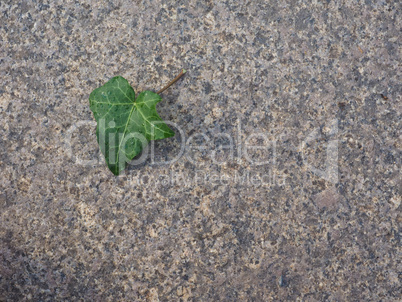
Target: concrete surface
{"x":317,"y":84}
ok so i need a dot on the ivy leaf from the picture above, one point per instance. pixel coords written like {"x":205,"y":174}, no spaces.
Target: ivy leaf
{"x":125,"y":124}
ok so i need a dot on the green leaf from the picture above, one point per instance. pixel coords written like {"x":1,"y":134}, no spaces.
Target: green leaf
{"x":125,"y":124}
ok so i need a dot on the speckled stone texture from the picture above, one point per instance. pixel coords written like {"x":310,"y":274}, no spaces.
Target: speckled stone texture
{"x":321,"y":80}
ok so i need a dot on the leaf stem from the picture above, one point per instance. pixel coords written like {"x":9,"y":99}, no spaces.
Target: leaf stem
{"x":183,"y":71}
